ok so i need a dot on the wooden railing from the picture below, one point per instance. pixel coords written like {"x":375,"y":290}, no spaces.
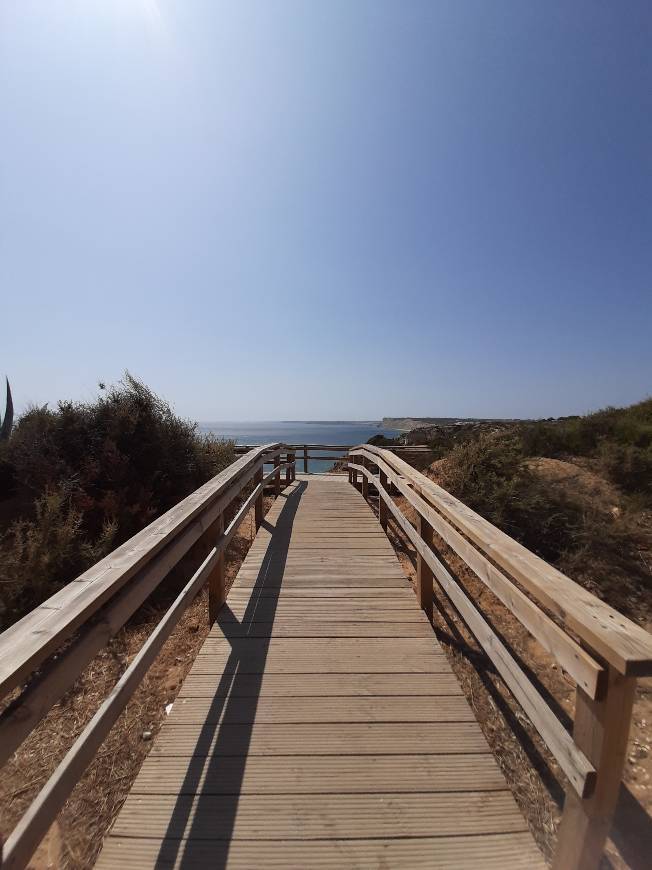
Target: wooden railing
{"x":599,"y":648}
{"x":52,"y":645}
{"x":316,"y":451}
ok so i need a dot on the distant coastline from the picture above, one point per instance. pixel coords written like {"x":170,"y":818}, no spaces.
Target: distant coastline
{"x":408,"y":424}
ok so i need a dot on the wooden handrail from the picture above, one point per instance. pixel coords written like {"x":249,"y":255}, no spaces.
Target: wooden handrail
{"x":611,"y":652}
{"x":29,"y":641}
{"x":623,"y":644}
{"x":570,"y":655}
{"x":144,"y":561}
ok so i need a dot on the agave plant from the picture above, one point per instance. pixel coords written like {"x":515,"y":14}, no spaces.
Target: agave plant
{"x":8,"y":421}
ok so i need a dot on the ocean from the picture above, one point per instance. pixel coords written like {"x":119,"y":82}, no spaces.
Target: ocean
{"x":300,"y":432}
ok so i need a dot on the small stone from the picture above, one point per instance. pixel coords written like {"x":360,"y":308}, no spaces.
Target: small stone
{"x":147,"y":735}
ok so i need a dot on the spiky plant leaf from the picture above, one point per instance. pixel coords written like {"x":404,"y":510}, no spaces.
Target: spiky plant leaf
{"x":7,"y":423}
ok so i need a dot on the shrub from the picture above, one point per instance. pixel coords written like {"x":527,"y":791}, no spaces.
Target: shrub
{"x":87,"y":476}
{"x":40,"y":555}
{"x":490,"y":475}
{"x":620,"y":439}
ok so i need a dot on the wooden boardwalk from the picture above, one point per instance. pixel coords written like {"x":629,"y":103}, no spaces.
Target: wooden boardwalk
{"x":321,"y":725}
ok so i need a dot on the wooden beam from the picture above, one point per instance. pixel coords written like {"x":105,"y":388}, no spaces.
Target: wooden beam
{"x":277,"y":476}
{"x":424,"y":587}
{"x":258,"y":509}
{"x":601,"y":730}
{"x":216,"y":584}
{"x":365,"y":480}
{"x":382,"y":507}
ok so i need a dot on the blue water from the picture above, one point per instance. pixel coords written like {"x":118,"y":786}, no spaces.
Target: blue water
{"x":300,"y":432}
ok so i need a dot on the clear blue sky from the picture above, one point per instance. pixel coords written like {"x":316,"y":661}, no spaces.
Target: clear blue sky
{"x":328,"y":209}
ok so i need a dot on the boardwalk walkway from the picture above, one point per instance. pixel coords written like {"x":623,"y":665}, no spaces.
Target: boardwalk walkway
{"x":321,"y":725}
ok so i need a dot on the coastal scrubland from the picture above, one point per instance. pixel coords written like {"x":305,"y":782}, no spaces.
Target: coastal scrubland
{"x":78,"y":479}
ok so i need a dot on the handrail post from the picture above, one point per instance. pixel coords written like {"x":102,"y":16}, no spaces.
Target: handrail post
{"x":365,"y":481}
{"x":258,"y":505}
{"x":277,"y":476}
{"x":216,"y":584}
{"x":293,"y":467}
{"x":600,"y":730}
{"x":382,"y":504}
{"x":424,"y":583}
{"x":305,"y":459}
{"x":349,"y":460}
{"x":288,"y":470}
{"x":354,"y":473}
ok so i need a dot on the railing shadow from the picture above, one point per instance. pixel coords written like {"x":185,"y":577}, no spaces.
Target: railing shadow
{"x":223,"y":743}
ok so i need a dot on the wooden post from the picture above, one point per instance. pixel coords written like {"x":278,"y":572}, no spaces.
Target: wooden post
{"x":277,"y":476}
{"x":424,"y":574}
{"x":293,"y":469}
{"x":365,"y":481}
{"x":600,"y":729}
{"x":216,"y":585}
{"x":382,"y":504}
{"x":258,"y":505}
{"x":288,"y":471}
{"x":349,"y":459}
{"x":305,"y":459}
{"x":354,"y":474}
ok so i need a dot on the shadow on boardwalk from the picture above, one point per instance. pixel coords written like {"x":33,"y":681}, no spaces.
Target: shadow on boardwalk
{"x":221,"y":750}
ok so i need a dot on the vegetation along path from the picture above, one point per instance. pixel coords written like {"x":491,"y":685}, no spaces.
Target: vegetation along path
{"x":321,"y":724}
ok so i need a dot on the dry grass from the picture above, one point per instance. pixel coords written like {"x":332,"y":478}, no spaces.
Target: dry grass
{"x":76,"y":837}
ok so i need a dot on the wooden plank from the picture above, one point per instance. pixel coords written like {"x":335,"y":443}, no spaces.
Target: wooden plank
{"x":326,"y":614}
{"x":319,"y":646}
{"x":300,"y":817}
{"x":321,"y":685}
{"x":287,"y":627}
{"x":212,"y":711}
{"x":601,"y":729}
{"x":358,"y":738}
{"x":302,"y":582}
{"x":306,"y":774}
{"x":489,"y":852}
{"x":391,"y":596}
{"x":335,"y":663}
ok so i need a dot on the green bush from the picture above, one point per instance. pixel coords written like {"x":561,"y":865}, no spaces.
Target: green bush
{"x":83,"y":478}
{"x":491,"y":476}
{"x":620,"y":439}
{"x":39,"y":555}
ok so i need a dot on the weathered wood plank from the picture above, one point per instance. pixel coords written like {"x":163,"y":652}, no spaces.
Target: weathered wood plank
{"x":316,"y":774}
{"x":321,"y":685}
{"x":211,"y":711}
{"x":300,"y":817}
{"x":358,"y":738}
{"x":490,"y":852}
